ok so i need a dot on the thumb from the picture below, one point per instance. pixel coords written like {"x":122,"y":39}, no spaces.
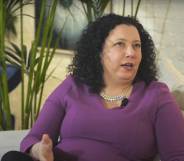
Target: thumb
{"x":46,"y":139}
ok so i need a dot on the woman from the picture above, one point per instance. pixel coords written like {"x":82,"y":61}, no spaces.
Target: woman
{"x":111,"y":107}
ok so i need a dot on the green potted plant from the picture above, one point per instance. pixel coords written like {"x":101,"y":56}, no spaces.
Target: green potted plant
{"x":33,"y":63}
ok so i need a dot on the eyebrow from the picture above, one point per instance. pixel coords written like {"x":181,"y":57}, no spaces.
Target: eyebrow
{"x":121,"y":39}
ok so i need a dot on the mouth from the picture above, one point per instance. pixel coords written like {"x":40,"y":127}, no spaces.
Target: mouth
{"x":127,"y":66}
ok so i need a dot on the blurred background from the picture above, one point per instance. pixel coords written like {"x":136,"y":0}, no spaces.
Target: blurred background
{"x":163,"y":19}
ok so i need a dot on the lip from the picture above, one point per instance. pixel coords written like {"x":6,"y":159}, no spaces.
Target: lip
{"x":128,"y":64}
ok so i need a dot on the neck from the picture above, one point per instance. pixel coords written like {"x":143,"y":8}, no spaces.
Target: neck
{"x":116,"y":88}
{"x":115,"y":84}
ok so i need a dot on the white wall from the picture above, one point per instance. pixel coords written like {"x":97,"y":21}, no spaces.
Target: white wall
{"x":164,"y":19}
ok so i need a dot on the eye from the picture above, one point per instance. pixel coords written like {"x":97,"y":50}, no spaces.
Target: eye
{"x":120,"y":44}
{"x":137,"y":45}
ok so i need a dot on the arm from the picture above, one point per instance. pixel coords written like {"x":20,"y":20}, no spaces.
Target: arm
{"x":169,"y":127}
{"x":49,"y":120}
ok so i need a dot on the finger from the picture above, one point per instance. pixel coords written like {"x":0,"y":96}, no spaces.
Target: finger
{"x":46,"y":139}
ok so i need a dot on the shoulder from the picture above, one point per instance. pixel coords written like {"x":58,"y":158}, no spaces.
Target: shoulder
{"x":160,"y":90}
{"x":158,"y":97}
{"x":163,"y":95}
{"x":68,"y":86}
{"x":62,"y":89}
{"x":158,"y":86}
{"x":68,"y":82}
{"x":154,"y":86}
{"x":156,"y":92}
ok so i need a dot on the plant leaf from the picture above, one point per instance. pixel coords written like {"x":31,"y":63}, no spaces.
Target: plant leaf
{"x":66,"y":3}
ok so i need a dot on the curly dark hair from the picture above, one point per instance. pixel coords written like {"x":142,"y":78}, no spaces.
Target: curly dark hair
{"x":86,"y":66}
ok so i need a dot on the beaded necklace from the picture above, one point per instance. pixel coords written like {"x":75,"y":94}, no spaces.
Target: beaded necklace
{"x":115,"y":98}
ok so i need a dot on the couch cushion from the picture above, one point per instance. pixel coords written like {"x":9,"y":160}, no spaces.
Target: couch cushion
{"x":10,"y":140}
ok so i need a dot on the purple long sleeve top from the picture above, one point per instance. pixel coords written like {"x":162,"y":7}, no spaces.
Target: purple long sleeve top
{"x":151,"y":123}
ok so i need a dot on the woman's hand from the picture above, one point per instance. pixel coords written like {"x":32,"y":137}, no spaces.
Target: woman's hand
{"x":43,"y":149}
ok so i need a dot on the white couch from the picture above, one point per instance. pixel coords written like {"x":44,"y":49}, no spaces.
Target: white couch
{"x":10,"y":140}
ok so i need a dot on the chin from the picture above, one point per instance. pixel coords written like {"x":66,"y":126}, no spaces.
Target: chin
{"x":127,"y":76}
{"x":128,"y":79}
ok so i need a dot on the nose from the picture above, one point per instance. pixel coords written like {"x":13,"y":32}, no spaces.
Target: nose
{"x":129,"y":51}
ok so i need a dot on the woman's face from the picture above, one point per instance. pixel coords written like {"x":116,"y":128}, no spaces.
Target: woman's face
{"x":121,"y":54}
